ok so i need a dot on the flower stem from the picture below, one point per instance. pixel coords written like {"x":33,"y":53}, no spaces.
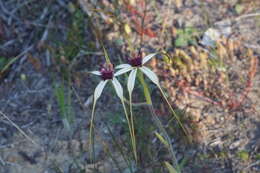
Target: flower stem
{"x":157,"y":121}
{"x":173,"y":112}
{"x":132,"y":123}
{"x":166,"y":136}
{"x":91,"y":135}
{"x":145,"y":87}
{"x":106,"y":55}
{"x":130,"y":129}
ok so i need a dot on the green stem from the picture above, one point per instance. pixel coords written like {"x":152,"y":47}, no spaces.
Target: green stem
{"x":132,"y":124}
{"x":145,"y":87}
{"x":173,"y":112}
{"x":121,"y":150}
{"x":159,"y":124}
{"x":91,"y":136}
{"x":156,"y":120}
{"x":130,"y":129}
{"x":106,"y":55}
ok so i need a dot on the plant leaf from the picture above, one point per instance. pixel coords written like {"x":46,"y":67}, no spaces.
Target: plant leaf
{"x":148,"y":57}
{"x":131,"y":81}
{"x":96,"y":73}
{"x":170,"y":168}
{"x":127,"y":28}
{"x":118,"y":88}
{"x":150,"y":74}
{"x":162,"y":139}
{"x":181,"y":41}
{"x":99,"y":89}
{"x":122,"y":71}
{"x":106,"y":55}
{"x":122,"y":66}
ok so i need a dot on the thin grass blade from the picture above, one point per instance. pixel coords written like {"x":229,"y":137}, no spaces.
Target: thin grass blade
{"x":170,"y":167}
{"x":161,"y":138}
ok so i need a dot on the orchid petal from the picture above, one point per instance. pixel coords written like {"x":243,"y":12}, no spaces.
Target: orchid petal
{"x":99,"y":89}
{"x":123,"y":70}
{"x":150,"y":74}
{"x":96,"y":73}
{"x":131,"y":81}
{"x":118,"y":88}
{"x":148,"y":57}
{"x":122,"y":66}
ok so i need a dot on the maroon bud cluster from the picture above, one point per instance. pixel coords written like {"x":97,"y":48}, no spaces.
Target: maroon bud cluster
{"x":107,"y":71}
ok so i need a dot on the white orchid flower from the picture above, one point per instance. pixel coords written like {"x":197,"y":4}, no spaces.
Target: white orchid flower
{"x":107,"y":74}
{"x":134,"y":64}
{"x":138,"y":63}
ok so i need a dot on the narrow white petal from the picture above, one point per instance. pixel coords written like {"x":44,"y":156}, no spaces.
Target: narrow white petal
{"x":118,"y":88}
{"x":99,"y":89}
{"x":123,"y":70}
{"x":96,"y":73}
{"x":122,"y":66}
{"x":148,"y":57}
{"x":131,"y":81}
{"x":150,"y":74}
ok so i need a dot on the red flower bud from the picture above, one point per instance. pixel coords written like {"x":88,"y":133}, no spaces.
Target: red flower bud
{"x":107,"y":71}
{"x":136,"y":61}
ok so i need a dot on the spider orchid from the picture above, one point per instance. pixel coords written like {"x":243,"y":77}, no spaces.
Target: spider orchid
{"x":107,"y":74}
{"x":133,"y":65}
{"x":137,"y":64}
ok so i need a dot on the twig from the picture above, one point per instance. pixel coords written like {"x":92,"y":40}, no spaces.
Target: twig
{"x":18,"y":128}
{"x":2,"y":161}
{"x":8,"y":43}
{"x":17,"y":57}
{"x":136,"y":104}
{"x":253,"y":164}
{"x":252,"y":46}
{"x":6,"y":11}
{"x":246,"y":16}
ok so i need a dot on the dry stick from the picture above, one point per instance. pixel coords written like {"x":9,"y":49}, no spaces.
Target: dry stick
{"x":135,"y":104}
{"x":18,"y":128}
{"x":2,"y":161}
{"x":246,"y":16}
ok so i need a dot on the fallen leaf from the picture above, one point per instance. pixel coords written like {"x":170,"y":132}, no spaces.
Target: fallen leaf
{"x":35,"y":62}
